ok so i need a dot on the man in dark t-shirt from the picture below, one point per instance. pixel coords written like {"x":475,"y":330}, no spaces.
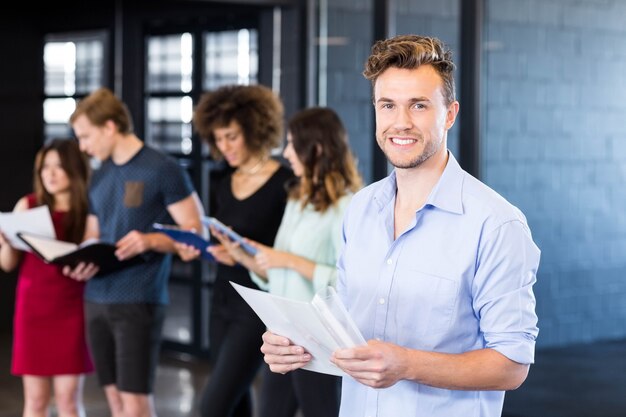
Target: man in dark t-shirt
{"x":135,"y":187}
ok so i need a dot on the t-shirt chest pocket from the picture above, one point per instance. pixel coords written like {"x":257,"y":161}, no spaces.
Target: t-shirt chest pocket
{"x":133,"y":193}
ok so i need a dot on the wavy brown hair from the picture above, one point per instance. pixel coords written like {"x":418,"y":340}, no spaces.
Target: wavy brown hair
{"x":256,"y":108}
{"x":321,"y":144}
{"x":76,"y":167}
{"x":410,"y":52}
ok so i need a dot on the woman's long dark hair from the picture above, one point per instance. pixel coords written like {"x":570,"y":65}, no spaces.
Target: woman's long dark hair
{"x":76,"y":167}
{"x":321,"y":144}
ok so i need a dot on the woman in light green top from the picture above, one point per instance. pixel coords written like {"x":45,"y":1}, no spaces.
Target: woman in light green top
{"x":306,"y":248}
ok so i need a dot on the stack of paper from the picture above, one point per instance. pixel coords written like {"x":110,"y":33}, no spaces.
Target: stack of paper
{"x":321,"y":326}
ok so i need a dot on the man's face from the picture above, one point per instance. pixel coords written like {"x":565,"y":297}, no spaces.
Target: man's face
{"x":94,"y":140}
{"x":412,"y":118}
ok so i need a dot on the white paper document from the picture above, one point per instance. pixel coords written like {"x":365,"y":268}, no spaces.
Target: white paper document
{"x":35,"y":221}
{"x":320,"y":326}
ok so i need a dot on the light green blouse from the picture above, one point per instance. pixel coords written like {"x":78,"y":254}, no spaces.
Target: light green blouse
{"x":312,"y":235}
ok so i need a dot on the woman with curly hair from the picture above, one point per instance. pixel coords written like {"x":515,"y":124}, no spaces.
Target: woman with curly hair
{"x":304,"y":255}
{"x":241,"y":124}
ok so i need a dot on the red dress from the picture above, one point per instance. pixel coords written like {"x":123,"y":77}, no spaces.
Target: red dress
{"x":48,"y":325}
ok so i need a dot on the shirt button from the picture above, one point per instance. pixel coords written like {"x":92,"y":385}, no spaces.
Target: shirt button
{"x":389,"y":261}
{"x":381,"y":301}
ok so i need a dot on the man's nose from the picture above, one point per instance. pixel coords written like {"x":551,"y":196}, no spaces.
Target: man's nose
{"x":403,"y":120}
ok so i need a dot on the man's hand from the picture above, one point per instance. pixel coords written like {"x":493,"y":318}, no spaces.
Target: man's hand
{"x":132,"y":244}
{"x":281,"y":355}
{"x":377,"y":364}
{"x":82,"y":271}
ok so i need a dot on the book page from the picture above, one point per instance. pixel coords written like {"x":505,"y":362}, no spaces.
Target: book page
{"x":298,"y":321}
{"x":34,"y":221}
{"x":48,"y":248}
{"x":88,"y":242}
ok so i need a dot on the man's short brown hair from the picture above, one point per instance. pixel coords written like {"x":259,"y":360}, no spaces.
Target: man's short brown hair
{"x":410,"y":52}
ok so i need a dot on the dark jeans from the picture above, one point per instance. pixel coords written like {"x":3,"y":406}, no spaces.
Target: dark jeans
{"x":235,"y":358}
{"x":315,"y":394}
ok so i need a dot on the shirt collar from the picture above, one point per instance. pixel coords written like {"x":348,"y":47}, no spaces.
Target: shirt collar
{"x":446,"y":195}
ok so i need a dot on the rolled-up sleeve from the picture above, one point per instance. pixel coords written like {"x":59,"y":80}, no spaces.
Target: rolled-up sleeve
{"x":504,"y":301}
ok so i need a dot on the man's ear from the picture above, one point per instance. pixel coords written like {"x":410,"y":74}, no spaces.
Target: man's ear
{"x":110,"y":127}
{"x":453,"y":111}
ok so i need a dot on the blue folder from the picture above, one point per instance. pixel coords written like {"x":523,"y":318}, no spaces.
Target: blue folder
{"x":187,"y":237}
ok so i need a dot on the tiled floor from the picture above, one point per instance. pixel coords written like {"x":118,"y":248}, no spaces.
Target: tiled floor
{"x":177,"y":384}
{"x":576,"y":381}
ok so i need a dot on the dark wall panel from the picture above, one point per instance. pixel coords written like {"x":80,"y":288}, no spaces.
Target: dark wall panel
{"x":20,"y":117}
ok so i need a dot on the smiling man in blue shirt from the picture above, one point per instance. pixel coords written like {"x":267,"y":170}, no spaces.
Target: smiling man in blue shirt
{"x":437,"y":268}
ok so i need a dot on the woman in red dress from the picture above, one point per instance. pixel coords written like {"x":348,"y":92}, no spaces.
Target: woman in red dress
{"x":50,"y":352}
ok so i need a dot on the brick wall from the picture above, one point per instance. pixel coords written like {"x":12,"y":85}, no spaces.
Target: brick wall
{"x":554,"y":144}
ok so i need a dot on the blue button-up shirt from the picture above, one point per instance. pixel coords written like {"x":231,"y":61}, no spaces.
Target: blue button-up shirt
{"x":458,"y":279}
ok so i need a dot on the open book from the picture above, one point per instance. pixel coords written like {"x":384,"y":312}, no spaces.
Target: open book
{"x":320,"y":326}
{"x":188,"y":237}
{"x":36,"y":220}
{"x":232,"y":235}
{"x":63,"y":253}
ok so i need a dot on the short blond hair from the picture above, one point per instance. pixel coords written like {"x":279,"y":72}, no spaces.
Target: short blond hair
{"x":101,"y":106}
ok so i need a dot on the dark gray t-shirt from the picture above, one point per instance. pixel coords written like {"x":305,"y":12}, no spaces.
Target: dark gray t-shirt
{"x":128,"y":197}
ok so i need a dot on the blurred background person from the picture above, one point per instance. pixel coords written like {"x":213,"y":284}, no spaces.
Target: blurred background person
{"x":303,"y":259}
{"x":50,"y":350}
{"x":242,"y":125}
{"x":135,"y":187}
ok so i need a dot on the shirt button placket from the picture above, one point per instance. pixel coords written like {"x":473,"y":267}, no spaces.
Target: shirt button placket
{"x":380,"y":321}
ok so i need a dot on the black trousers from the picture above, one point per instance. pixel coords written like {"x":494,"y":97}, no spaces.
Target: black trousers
{"x":315,"y":394}
{"x":235,"y":357}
